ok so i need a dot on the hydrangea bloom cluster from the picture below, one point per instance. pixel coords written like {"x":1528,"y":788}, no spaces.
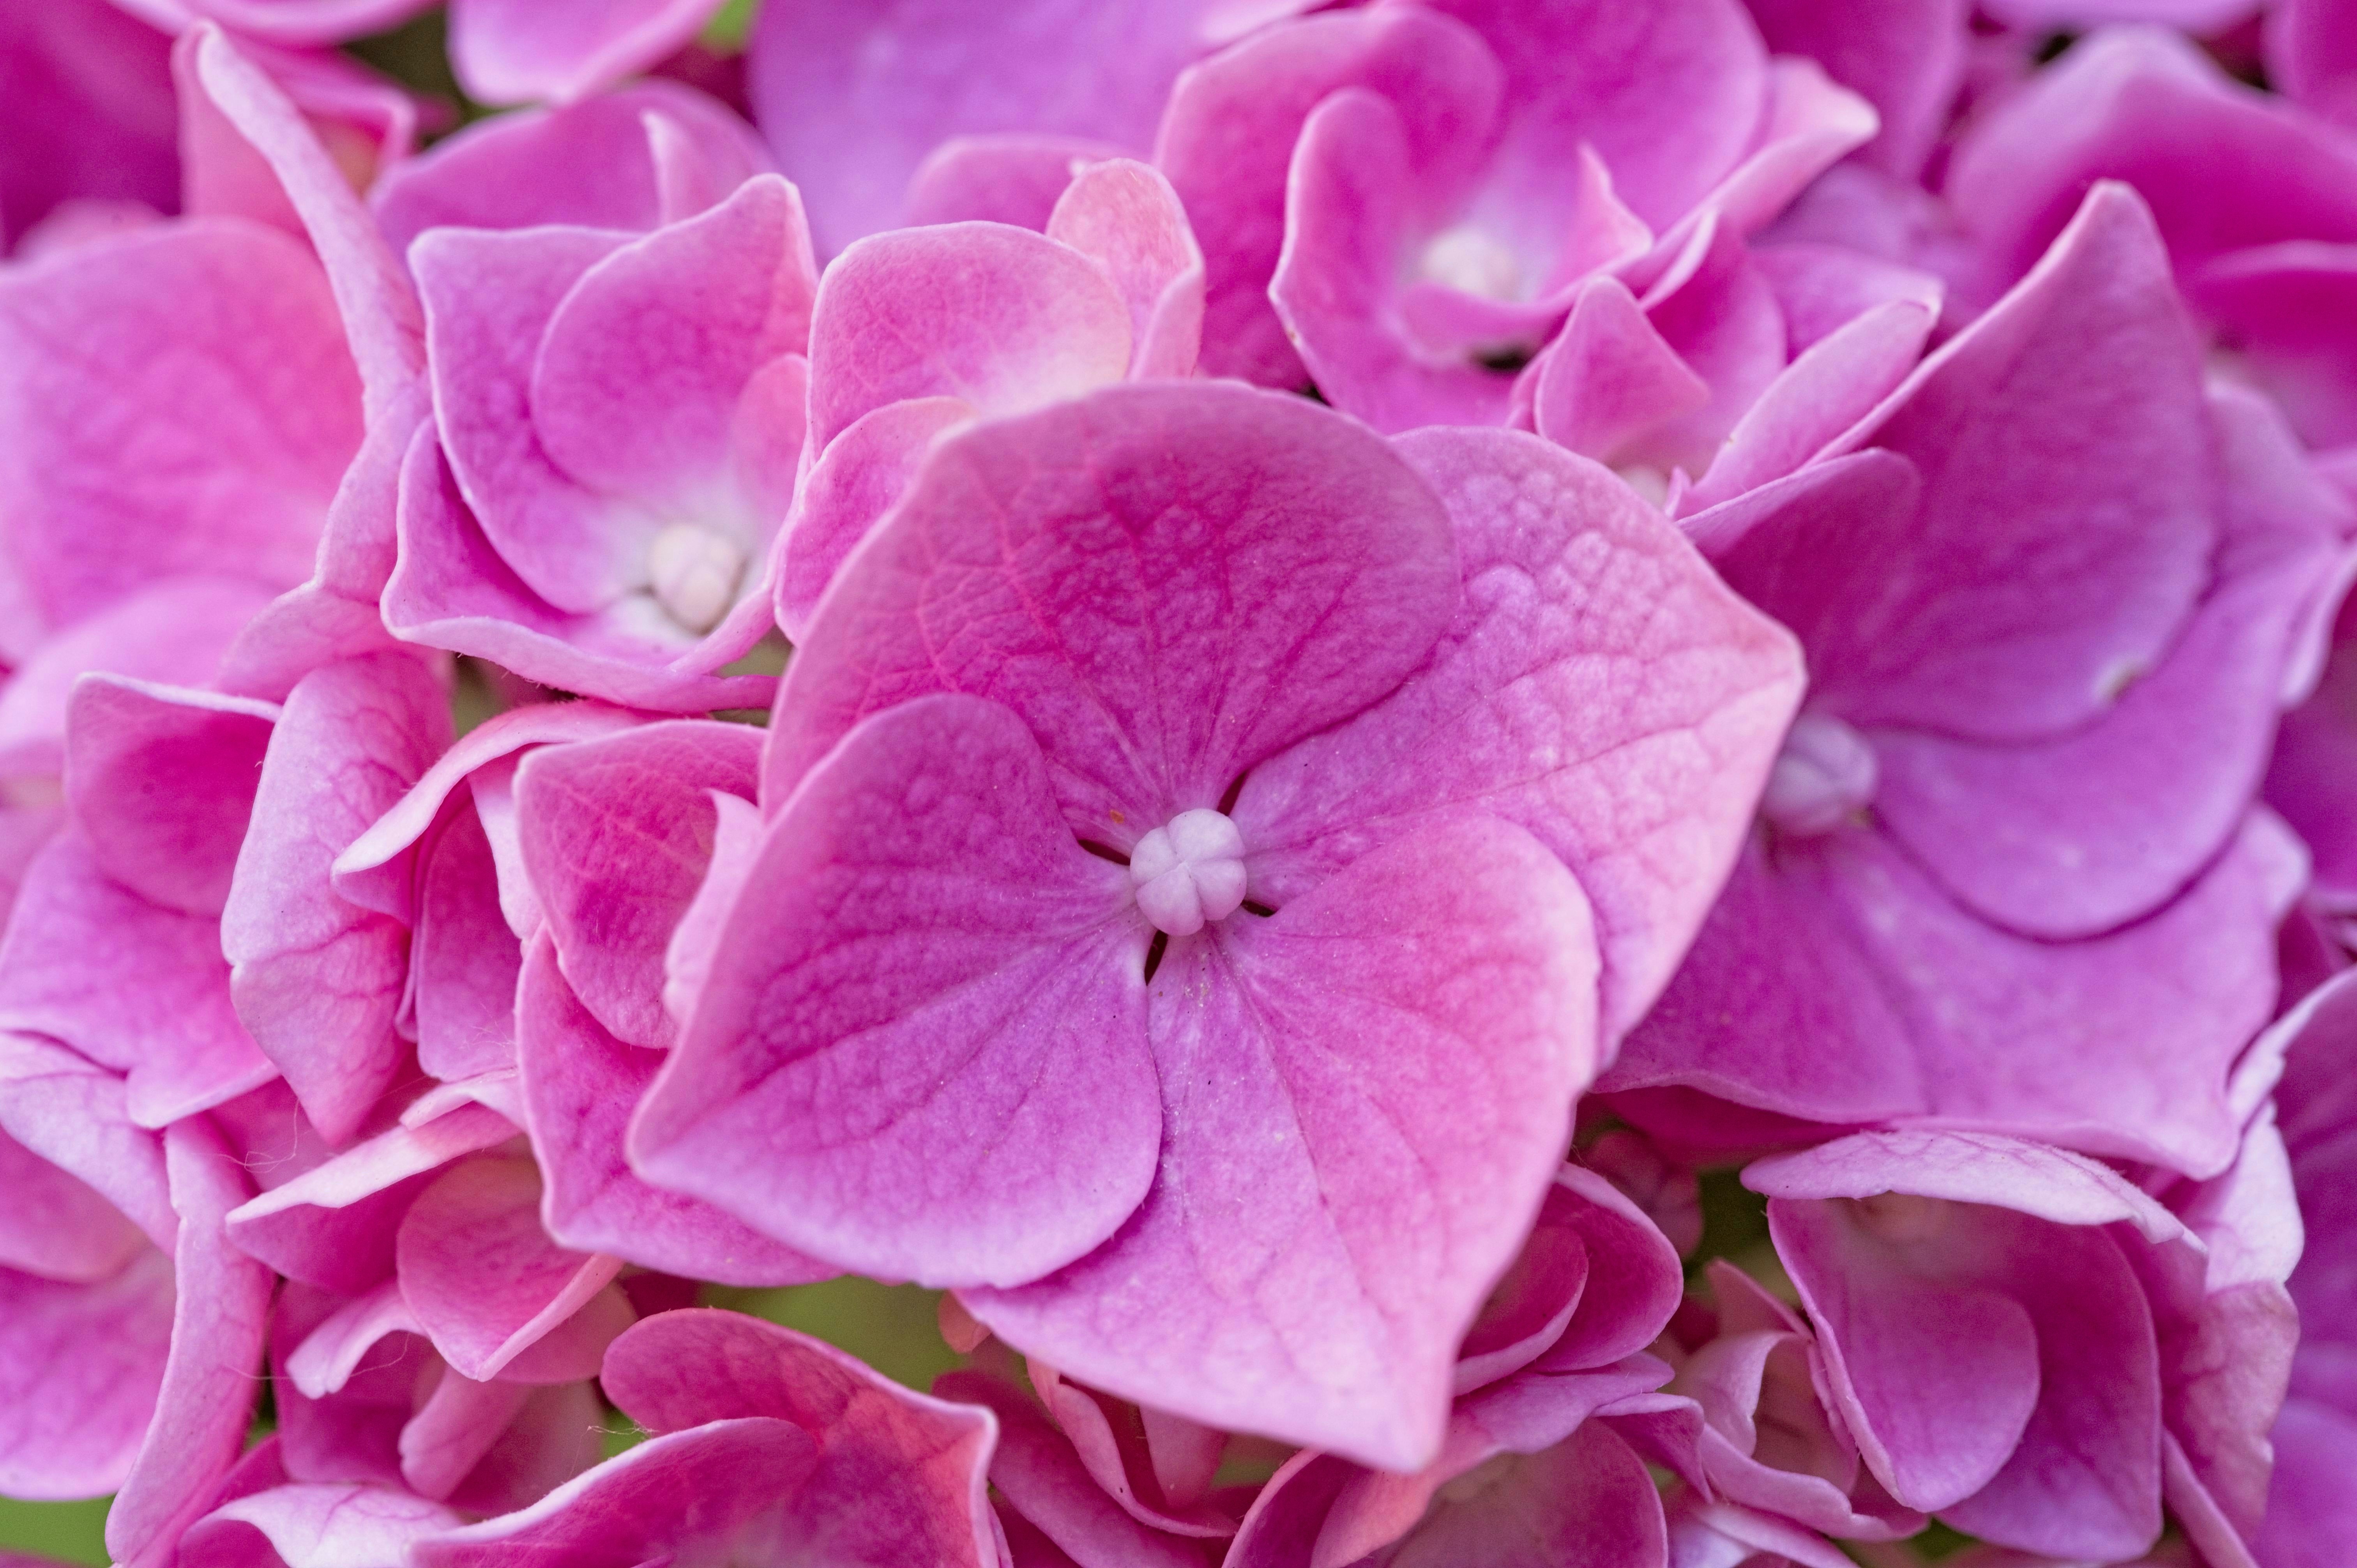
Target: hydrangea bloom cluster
{"x":1516,"y":783}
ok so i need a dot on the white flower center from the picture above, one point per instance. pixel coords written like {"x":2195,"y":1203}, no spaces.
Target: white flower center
{"x":1188,"y":872}
{"x":1825,"y":776}
{"x":1472,"y":262}
{"x":694,"y":572}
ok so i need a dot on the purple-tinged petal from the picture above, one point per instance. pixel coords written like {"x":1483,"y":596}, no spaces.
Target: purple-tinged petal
{"x":463,"y":958}
{"x":1322,"y":1230}
{"x":243,"y":420}
{"x":2311,"y":1507}
{"x":379,"y":310}
{"x":313,"y":1525}
{"x":2068,"y":512}
{"x":617,"y":835}
{"x":76,"y":1115}
{"x":80,"y":1367}
{"x":1001,"y":318}
{"x":335,"y":1226}
{"x":138,"y":988}
{"x":1228,"y":136}
{"x":54,"y":1226}
{"x":581,"y":1084}
{"x":316,"y":978}
{"x":161,"y":780}
{"x":1168,"y":582}
{"x":919,"y":902}
{"x":1590,"y":637}
{"x":1835,"y":981}
{"x":1123,"y":216}
{"x":2085,"y":832}
{"x":2312,"y":54}
{"x":593,"y":163}
{"x":854,"y":93}
{"x":212,"y":1377}
{"x":176,"y":631}
{"x":1906,"y":56}
{"x":483,"y":1278}
{"x":90,"y":119}
{"x":517,"y":51}
{"x":925,"y":1458}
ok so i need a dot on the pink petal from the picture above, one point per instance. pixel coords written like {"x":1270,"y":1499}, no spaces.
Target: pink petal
{"x":857,"y":479}
{"x":246,"y":417}
{"x":1608,"y":377}
{"x":581,"y":1085}
{"x":1008,"y":178}
{"x":317,"y":979}
{"x":56,"y":1227}
{"x":1169,"y":582}
{"x":595,"y":164}
{"x":161,"y":779}
{"x":80,"y":1367}
{"x":1318,"y":1217}
{"x":1004,"y":320}
{"x":483,"y":1280}
{"x":76,"y":1115}
{"x":1589,"y":635}
{"x":1906,"y":56}
{"x":919,"y":902}
{"x":1123,"y":216}
{"x":316,"y":1526}
{"x":212,"y":1377}
{"x":616,"y":835}
{"x":2311,"y":53}
{"x":463,"y":958}
{"x":136,"y":988}
{"x":512,"y":51}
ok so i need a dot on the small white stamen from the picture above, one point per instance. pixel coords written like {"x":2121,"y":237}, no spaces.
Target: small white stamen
{"x":1825,"y":776}
{"x":1471,"y":261}
{"x":694,"y":572}
{"x":1188,"y":872}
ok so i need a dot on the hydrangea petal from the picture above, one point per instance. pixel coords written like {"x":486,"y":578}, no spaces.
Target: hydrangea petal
{"x":513,"y":51}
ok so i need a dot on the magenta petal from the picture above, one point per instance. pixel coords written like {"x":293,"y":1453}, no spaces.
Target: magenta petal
{"x":212,"y":1378}
{"x":247,"y":415}
{"x":637,"y":380}
{"x":162,"y":780}
{"x":2065,"y":526}
{"x":1004,"y":320}
{"x":463,"y":958}
{"x":1906,"y":56}
{"x":859,"y":477}
{"x":581,"y":1085}
{"x":594,"y":164}
{"x":900,"y":1476}
{"x":919,"y":901}
{"x":616,"y":835}
{"x":483,"y":1280}
{"x":139,"y":989}
{"x":80,"y":1367}
{"x":317,"y":979}
{"x":334,"y":1226}
{"x":312,"y":1526}
{"x":1610,"y":377}
{"x":1800,"y":997}
{"x":1659,"y":696}
{"x":1169,"y":582}
{"x":513,"y":51}
{"x":1325,"y":1214}
{"x":2311,"y":52}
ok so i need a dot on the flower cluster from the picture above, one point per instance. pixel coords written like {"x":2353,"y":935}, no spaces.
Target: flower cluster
{"x":1526,"y":782}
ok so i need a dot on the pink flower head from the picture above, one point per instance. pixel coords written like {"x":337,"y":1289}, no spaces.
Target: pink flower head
{"x":618,"y":422}
{"x":857,"y":94}
{"x":2026,"y":1345}
{"x":919,"y":331}
{"x":770,"y":1447}
{"x":1052,"y":749}
{"x":2053,"y":601}
{"x":1418,"y":187}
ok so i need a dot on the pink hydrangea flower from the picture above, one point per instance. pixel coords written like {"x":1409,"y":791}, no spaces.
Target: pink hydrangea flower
{"x":1189,"y":553}
{"x":2014,"y":606}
